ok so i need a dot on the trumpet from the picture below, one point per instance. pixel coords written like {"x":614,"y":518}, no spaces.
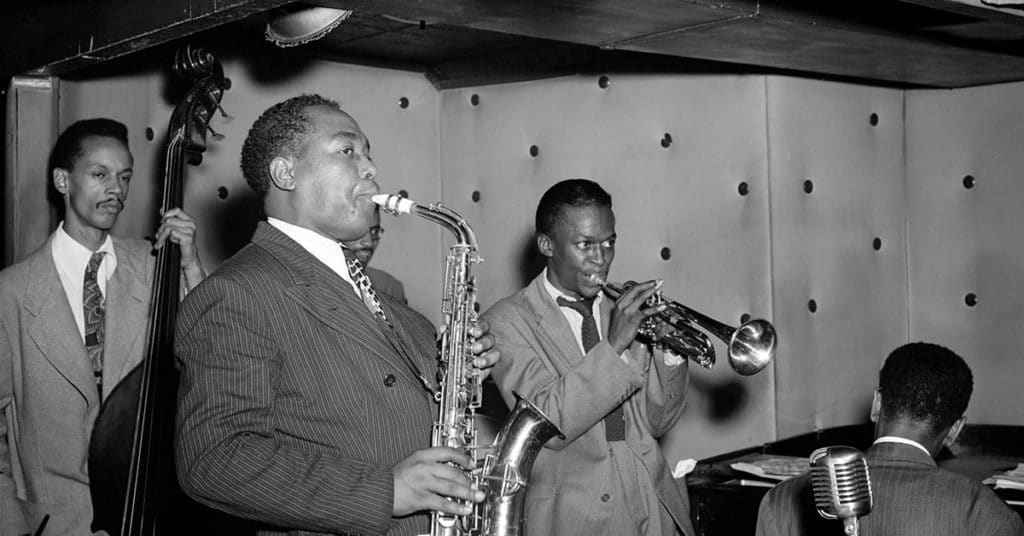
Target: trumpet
{"x":751,"y":345}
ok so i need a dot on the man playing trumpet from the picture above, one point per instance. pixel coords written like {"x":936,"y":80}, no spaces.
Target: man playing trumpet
{"x":571,"y":350}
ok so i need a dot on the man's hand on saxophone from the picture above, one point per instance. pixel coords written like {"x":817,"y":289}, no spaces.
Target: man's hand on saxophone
{"x":428,"y":480}
{"x":483,"y":348}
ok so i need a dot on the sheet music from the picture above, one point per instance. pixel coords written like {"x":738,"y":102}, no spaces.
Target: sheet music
{"x":1012,"y":479}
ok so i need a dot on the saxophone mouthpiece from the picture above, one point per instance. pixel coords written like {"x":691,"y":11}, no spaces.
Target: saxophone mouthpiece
{"x":394,"y":204}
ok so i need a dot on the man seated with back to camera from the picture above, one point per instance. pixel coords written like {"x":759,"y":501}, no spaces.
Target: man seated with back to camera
{"x":571,"y":350}
{"x":918,"y":408}
{"x":364,"y":247}
{"x":306,"y":399}
{"x":73,"y":319}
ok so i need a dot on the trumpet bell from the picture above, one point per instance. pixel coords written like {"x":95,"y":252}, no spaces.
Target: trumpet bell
{"x":752,"y":346}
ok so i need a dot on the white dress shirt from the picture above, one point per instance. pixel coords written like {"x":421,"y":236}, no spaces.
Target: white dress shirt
{"x":71,"y":259}
{"x":326,"y":250}
{"x":902,"y":441}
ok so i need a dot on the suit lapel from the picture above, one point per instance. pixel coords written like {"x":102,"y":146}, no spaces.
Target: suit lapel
{"x":551,"y":323}
{"x":52,"y":328}
{"x":329,"y":298}
{"x":127,"y":296}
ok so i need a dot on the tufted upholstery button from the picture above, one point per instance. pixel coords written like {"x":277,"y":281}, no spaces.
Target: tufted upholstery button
{"x":389,"y":380}
{"x":606,"y":497}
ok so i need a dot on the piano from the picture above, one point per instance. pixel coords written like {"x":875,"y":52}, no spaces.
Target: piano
{"x":724,"y":503}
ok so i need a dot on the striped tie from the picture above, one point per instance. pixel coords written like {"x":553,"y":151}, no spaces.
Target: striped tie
{"x":614,"y":422}
{"x":94,"y":309}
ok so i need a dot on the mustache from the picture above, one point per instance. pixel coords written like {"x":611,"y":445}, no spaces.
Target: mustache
{"x":119,"y":203}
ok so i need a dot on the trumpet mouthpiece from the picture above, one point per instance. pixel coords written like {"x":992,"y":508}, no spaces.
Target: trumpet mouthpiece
{"x":393,"y":203}
{"x":597,"y":279}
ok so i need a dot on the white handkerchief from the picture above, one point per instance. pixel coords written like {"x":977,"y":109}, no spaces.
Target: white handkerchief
{"x":683,"y":467}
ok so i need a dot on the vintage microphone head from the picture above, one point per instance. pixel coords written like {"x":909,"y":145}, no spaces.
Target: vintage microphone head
{"x":842,"y":486}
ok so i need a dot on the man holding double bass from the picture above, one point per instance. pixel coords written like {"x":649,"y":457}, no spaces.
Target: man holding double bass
{"x":73,"y":319}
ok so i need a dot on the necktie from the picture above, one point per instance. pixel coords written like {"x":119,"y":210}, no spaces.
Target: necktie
{"x":362,"y":281}
{"x":94,"y":311}
{"x":614,"y":422}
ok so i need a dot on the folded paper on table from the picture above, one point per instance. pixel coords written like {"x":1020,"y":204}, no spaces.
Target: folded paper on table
{"x":774,"y":468}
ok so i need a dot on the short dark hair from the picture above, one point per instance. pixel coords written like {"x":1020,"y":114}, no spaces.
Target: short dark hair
{"x":925,"y":382}
{"x":570,"y":193}
{"x":69,"y":144}
{"x":281,"y":130}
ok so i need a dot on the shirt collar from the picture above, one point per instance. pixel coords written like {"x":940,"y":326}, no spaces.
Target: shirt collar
{"x":555,"y":293}
{"x":72,"y":256}
{"x":326,"y":250}
{"x":902,"y":441}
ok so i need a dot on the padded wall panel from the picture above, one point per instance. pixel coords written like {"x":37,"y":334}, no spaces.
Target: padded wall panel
{"x":404,"y":144}
{"x":683,"y":197}
{"x":32,"y":127}
{"x":822,"y":246}
{"x":967,"y":240}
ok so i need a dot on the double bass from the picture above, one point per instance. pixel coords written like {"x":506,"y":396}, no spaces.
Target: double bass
{"x":131,"y":465}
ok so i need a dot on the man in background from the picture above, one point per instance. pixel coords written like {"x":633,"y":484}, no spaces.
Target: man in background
{"x":918,"y":407}
{"x":570,"y":350}
{"x":73,"y":319}
{"x":364,"y":247}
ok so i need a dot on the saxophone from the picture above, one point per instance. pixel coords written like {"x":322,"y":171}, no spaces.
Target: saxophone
{"x":503,"y":473}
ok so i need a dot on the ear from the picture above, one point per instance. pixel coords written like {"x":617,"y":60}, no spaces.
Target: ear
{"x":60,"y":180}
{"x":876,"y":406}
{"x":954,"y":431}
{"x":282,"y":174}
{"x":544,"y":245}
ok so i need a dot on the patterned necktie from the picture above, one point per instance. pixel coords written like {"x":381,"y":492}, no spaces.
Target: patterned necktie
{"x":614,"y":422}
{"x":94,"y":311}
{"x":362,"y":281}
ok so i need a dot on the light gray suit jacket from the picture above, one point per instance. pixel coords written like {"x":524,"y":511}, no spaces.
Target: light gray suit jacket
{"x":571,"y":478}
{"x":47,"y":392}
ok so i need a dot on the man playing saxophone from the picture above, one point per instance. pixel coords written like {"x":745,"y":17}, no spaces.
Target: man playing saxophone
{"x":571,"y":350}
{"x":307,"y":399}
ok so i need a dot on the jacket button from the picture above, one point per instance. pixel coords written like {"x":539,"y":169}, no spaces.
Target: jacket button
{"x":389,"y":380}
{"x":605,"y":497}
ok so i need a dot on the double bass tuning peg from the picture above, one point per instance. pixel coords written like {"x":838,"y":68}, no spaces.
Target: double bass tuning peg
{"x":216,"y":135}
{"x":227,"y":117}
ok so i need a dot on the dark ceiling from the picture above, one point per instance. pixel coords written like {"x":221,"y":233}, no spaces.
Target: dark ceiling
{"x":900,"y":43}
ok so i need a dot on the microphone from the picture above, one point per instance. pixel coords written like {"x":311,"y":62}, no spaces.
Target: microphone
{"x":842,"y":486}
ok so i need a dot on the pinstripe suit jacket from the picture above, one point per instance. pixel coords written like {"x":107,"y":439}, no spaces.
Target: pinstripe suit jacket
{"x":573,"y":481}
{"x":47,"y":392}
{"x":293,"y":405}
{"x":912,"y":497}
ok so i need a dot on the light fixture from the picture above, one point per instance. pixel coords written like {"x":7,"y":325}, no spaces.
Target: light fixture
{"x":298,"y":24}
